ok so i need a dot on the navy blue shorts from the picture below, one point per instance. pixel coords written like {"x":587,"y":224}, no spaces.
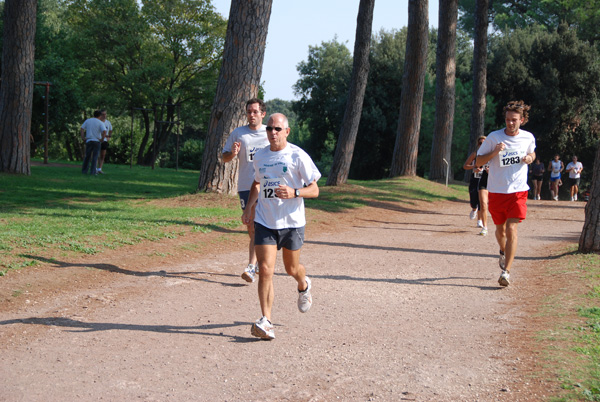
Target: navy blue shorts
{"x":291,"y":238}
{"x":244,"y":198}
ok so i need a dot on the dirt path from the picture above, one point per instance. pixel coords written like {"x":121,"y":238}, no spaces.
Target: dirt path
{"x":406,"y":307}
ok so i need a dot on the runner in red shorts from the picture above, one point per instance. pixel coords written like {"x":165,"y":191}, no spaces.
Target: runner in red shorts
{"x":508,"y":152}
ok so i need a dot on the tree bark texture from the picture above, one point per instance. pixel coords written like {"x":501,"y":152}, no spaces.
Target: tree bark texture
{"x":406,"y":149}
{"x":445,"y":90}
{"x":16,"y":90}
{"x":479,"y":76}
{"x":239,"y":80}
{"x":356,"y":95}
{"x":589,"y":242}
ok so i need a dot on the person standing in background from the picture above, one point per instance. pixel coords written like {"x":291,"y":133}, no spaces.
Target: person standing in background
{"x":104,"y":144}
{"x":92,"y":132}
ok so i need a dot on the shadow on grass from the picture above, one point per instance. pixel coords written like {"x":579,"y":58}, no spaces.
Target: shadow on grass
{"x":81,"y":326}
{"x":118,"y":270}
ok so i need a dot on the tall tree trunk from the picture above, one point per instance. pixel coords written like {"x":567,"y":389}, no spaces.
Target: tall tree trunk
{"x":479,"y":75}
{"x":239,"y":80}
{"x":406,"y":149}
{"x":358,"y":84}
{"x":445,"y":90}
{"x":590,"y":236}
{"x":16,"y":90}
{"x":145,"y":139}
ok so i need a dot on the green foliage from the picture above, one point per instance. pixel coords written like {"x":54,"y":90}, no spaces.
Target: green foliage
{"x":559,"y":75}
{"x":322,"y":88}
{"x":121,"y":54}
{"x":324,"y":97}
{"x":505,"y":16}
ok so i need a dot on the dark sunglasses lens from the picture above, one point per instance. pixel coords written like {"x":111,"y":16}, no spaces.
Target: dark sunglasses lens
{"x":278,"y":129}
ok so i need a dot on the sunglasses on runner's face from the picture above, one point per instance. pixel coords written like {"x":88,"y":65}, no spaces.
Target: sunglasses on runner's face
{"x":278,"y":129}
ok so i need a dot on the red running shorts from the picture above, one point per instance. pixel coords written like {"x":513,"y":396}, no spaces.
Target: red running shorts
{"x":505,"y":206}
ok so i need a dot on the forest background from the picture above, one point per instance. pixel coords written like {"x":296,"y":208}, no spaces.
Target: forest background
{"x":136,"y":58}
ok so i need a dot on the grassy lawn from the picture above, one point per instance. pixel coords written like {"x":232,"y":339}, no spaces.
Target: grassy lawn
{"x":573,"y":350}
{"x":58,"y":212}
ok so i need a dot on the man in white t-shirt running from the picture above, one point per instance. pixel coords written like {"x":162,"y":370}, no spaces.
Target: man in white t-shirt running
{"x":243,"y":142}
{"x":574,"y":168}
{"x":508,"y":153}
{"x":283,"y":176}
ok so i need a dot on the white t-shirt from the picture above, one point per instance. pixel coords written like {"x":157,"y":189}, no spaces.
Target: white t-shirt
{"x":577,"y":166}
{"x":292,"y":167}
{"x":556,"y":166}
{"x":93,"y":129}
{"x":250,"y":142}
{"x":108,"y":129}
{"x":507,"y":173}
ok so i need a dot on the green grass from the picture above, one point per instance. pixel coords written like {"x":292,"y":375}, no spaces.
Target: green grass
{"x":59,"y":213}
{"x":575,"y":354}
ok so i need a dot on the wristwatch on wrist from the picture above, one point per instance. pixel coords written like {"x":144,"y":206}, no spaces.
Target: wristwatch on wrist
{"x":297,"y":193}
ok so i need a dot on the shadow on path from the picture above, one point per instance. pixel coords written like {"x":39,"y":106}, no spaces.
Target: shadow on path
{"x":80,"y":326}
{"x":417,"y":250}
{"x":118,"y":270}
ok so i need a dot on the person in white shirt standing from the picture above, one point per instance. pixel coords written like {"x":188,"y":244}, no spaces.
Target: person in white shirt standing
{"x":243,"y":142}
{"x":508,"y":152}
{"x":283,"y":176}
{"x":574,"y":168}
{"x":92,"y":132}
{"x":104,"y":145}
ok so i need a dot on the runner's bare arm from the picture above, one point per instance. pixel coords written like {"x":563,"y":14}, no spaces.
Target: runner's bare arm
{"x":228,"y":156}
{"x":248,"y":214}
{"x":310,"y":191}
{"x":529,"y":158}
{"x":468,"y":165}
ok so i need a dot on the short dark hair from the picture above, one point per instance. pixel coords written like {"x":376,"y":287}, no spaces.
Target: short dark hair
{"x":97,"y":113}
{"x":261,"y":104}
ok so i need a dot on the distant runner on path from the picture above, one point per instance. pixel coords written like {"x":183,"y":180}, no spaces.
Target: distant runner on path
{"x":283,"y":176}
{"x":508,"y":152}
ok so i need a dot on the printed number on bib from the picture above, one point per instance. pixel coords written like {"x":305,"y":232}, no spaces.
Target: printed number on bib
{"x":268,"y":187}
{"x":250,"y":151}
{"x":510,"y":157}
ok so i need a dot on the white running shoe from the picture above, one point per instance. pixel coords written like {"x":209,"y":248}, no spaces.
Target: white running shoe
{"x":572,"y":199}
{"x":575,"y":197}
{"x":249,"y":272}
{"x":483,"y":232}
{"x":305,"y":298}
{"x":473,"y":214}
{"x":263,"y":329}
{"x":479,"y":223}
{"x":504,"y":279}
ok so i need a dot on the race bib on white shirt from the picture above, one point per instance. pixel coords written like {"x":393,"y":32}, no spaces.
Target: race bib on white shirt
{"x":268,"y":187}
{"x":250,"y":151}
{"x":510,"y":157}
